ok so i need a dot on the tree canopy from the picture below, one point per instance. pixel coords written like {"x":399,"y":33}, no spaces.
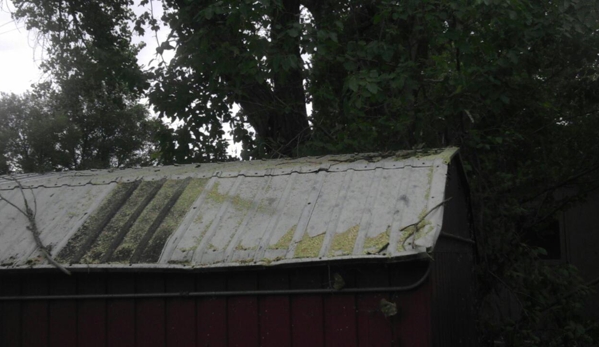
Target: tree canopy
{"x":87,"y":115}
{"x":514,"y":83}
{"x":47,"y":130}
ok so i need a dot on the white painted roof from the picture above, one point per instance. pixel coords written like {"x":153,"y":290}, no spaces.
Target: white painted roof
{"x":363,"y":206}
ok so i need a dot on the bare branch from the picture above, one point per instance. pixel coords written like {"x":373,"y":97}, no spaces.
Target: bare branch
{"x":30,"y":215}
{"x":415,"y":225}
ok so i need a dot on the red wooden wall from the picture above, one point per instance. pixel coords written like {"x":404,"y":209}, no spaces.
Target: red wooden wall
{"x":252,"y":320}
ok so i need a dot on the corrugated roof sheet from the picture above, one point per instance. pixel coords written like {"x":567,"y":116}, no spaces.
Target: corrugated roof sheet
{"x":229,"y":214}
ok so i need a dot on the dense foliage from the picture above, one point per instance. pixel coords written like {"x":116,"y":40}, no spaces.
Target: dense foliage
{"x":88,"y":114}
{"x":46,"y":131}
{"x":514,"y":83}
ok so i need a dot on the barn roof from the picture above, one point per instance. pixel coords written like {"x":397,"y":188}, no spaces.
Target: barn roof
{"x":362,"y":206}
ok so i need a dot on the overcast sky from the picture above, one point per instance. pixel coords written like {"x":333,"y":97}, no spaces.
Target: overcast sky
{"x":18,"y":59}
{"x":20,"y":53}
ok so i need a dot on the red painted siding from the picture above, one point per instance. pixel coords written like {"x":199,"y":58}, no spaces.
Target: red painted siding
{"x":91,"y":314}
{"x":34,"y":314}
{"x":150,"y":319}
{"x":63,"y":315}
{"x":120,"y":313}
{"x":279,"y":320}
{"x":10,"y":312}
{"x":180,"y":312}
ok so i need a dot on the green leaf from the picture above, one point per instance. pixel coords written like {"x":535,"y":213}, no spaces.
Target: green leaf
{"x":350,"y":65}
{"x":372,"y":88}
{"x":208,"y":13}
{"x":293,"y":32}
{"x":352,"y":83}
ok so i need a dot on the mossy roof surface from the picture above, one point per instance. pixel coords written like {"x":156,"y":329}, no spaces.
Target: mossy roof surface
{"x":382,"y":205}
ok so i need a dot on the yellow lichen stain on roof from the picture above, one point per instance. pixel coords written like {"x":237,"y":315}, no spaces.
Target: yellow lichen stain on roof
{"x":376,"y":243}
{"x":268,"y":261}
{"x":404,"y":236}
{"x":309,"y":247}
{"x":343,"y":243}
{"x":285,"y":240}
{"x":241,"y":203}
{"x":215,"y":195}
{"x":241,"y":247}
{"x":237,"y":201}
{"x":173,"y":218}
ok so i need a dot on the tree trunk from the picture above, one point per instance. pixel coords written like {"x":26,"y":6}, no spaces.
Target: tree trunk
{"x":288,"y":122}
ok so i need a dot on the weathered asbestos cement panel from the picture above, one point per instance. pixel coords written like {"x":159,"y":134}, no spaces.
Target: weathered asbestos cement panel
{"x":231,"y":214}
{"x":56,"y":218}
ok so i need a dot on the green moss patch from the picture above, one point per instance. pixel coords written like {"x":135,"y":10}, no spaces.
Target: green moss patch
{"x":172,"y":220}
{"x":125,"y":250}
{"x":92,"y":223}
{"x":106,"y":238}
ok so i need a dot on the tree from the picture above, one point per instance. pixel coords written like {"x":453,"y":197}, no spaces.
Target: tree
{"x":513,"y":83}
{"x":41,"y":132}
{"x":28,"y":134}
{"x":94,"y":88}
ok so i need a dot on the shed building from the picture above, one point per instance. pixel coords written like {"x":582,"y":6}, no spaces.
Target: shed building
{"x":349,"y":250}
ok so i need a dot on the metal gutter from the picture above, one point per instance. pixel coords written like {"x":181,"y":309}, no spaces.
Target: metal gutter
{"x":225,"y":293}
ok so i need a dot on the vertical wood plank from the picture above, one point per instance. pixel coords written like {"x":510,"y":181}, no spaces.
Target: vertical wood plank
{"x":242,"y":312}
{"x":307,"y":311}
{"x":150,"y":319}
{"x":35,"y":313}
{"x":340,"y":320}
{"x":413,"y":326}
{"x":120,"y":313}
{"x":62,"y":313}
{"x":91,"y":314}
{"x":10,"y":315}
{"x":211,"y":312}
{"x":274,"y":311}
{"x":180,"y":312}
{"x":374,"y":329}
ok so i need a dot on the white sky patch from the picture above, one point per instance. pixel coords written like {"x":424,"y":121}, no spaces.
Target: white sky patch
{"x":19,"y":60}
{"x":21,"y":55}
{"x":147,"y":56}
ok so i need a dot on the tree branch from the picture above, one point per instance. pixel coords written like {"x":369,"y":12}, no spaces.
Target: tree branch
{"x":30,"y":215}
